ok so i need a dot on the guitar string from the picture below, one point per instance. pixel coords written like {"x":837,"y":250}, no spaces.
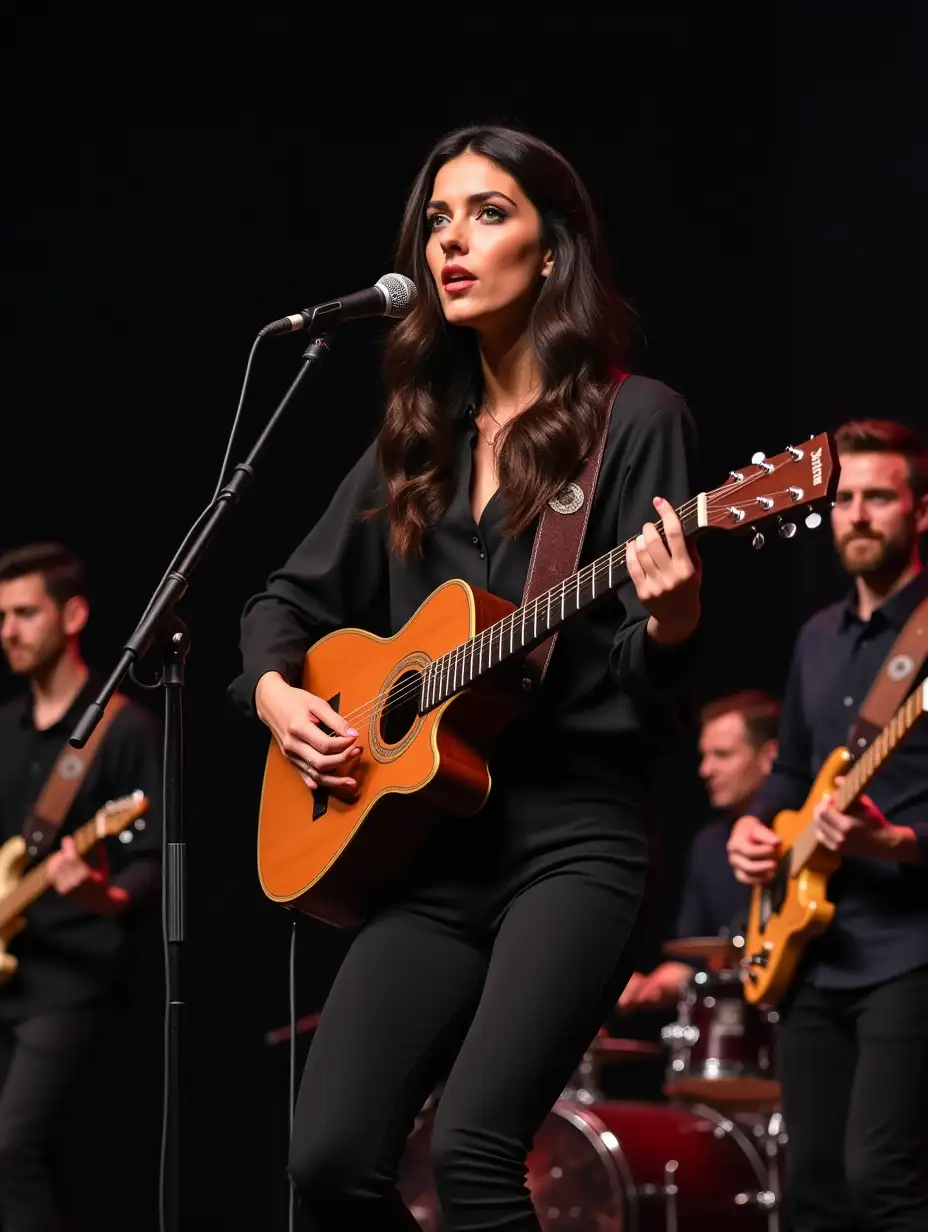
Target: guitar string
{"x":715,"y":501}
{"x":718,"y":499}
{"x":480,"y":640}
{"x":459,"y":654}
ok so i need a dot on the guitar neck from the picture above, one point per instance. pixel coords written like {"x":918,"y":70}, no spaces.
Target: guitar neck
{"x":860,"y":774}
{"x":34,"y":884}
{"x":535,"y":621}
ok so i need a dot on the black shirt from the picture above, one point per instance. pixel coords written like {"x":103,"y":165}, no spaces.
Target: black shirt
{"x":67,"y":955}
{"x":608,"y":687}
{"x":880,"y":926}
{"x":713,"y":902}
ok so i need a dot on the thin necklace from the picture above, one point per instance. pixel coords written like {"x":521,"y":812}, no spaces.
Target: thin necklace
{"x":489,"y":441}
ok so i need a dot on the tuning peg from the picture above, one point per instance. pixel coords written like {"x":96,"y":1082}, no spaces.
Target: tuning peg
{"x":813,"y":519}
{"x":794,"y":453}
{"x":757,"y":458}
{"x":758,"y":540}
{"x":786,"y":530}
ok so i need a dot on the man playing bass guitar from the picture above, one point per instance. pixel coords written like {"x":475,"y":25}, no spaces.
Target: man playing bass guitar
{"x":853,"y":1049}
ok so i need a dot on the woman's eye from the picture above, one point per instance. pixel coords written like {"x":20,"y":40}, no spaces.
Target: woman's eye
{"x":433,"y":220}
{"x":492,"y":213}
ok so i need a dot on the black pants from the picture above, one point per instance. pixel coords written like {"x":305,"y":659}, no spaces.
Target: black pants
{"x":854,"y":1069}
{"x":40,"y":1059}
{"x":513,"y":1011}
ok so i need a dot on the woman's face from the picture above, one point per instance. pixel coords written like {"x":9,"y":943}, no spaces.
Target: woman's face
{"x":484,"y":245}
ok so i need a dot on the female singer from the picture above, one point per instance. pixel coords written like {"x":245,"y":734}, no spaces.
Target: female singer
{"x":493,"y":963}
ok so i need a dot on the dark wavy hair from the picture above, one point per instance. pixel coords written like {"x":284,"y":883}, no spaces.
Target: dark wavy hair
{"x":577,"y":327}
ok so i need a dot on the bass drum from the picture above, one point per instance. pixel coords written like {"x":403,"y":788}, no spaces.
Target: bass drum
{"x":624,"y":1167}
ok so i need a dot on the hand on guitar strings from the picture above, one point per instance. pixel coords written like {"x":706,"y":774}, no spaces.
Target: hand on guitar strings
{"x":666,"y":577}
{"x":85,"y":886}
{"x":863,"y":832}
{"x":295,"y":719}
{"x":753,"y":849}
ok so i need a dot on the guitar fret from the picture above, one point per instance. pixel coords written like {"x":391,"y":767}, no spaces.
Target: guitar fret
{"x":472,"y":658}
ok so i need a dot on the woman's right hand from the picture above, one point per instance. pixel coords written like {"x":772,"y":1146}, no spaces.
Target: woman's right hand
{"x":294,"y":717}
{"x":752,"y":851}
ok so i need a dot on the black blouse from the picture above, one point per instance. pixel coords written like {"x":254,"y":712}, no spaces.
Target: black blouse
{"x":609,"y":688}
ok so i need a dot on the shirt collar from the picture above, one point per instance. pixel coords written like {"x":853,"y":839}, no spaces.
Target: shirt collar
{"x":68,"y":720}
{"x":898,"y":607}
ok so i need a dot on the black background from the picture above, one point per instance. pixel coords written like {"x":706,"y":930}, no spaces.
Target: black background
{"x":172,"y":185}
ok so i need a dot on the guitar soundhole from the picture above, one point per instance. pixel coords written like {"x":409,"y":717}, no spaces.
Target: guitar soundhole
{"x":400,"y":710}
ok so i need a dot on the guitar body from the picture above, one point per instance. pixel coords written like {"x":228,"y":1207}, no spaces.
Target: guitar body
{"x":13,"y":859}
{"x":788,"y":912}
{"x":333,"y":859}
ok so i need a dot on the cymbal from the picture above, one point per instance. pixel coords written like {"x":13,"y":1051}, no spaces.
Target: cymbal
{"x":613,"y":1049}
{"x":700,"y":947}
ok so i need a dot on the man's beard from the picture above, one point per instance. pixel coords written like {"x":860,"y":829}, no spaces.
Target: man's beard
{"x":891,"y":557}
{"x":40,"y":662}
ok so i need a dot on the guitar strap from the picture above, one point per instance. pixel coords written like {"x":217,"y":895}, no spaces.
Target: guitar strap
{"x":62,"y":784}
{"x":894,"y":681}
{"x":560,"y":533}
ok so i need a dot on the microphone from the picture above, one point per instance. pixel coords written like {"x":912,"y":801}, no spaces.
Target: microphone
{"x":393,"y":295}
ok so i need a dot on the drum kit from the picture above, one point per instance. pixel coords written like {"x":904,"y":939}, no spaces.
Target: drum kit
{"x":708,"y":1160}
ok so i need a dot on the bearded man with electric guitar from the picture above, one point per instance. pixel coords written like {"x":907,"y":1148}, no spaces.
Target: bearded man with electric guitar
{"x":838,"y":936}
{"x":61,"y":975}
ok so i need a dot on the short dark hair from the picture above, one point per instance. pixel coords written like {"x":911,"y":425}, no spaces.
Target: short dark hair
{"x":760,"y":711}
{"x":62,"y":571}
{"x":887,"y":436}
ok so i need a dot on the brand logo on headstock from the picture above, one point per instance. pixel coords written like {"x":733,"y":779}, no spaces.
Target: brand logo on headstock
{"x":816,"y":467}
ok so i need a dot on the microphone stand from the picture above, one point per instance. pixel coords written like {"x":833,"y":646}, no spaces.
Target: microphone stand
{"x":159,"y":623}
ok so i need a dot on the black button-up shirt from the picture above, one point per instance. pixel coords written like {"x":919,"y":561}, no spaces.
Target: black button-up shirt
{"x":880,"y":926}
{"x":67,"y":955}
{"x":608,"y":687}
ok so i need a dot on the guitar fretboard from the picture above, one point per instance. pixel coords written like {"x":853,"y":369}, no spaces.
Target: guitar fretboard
{"x":536,"y":620}
{"x":863,"y":770}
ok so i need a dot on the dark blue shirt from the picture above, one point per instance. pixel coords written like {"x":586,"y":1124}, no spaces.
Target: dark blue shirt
{"x":713,"y":902}
{"x":880,"y":926}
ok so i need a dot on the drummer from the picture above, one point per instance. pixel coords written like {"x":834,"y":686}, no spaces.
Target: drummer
{"x":737,"y":747}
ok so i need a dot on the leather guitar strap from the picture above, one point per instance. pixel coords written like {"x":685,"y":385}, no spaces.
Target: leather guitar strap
{"x":62,"y":784}
{"x":895,"y":680}
{"x":560,"y":532}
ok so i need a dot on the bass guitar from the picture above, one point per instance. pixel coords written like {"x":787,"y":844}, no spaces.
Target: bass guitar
{"x":428,"y":702}
{"x":794,"y":907}
{"x":18,"y":891}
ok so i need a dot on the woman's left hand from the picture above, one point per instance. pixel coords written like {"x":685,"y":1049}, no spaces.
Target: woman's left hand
{"x":666,"y":577}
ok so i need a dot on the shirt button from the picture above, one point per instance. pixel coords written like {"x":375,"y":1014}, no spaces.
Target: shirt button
{"x":849,"y":701}
{"x":483,"y":555}
{"x":476,"y":542}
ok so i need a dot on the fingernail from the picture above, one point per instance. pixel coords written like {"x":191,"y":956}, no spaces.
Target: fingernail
{"x":355,"y":752}
{"x":351,"y":732}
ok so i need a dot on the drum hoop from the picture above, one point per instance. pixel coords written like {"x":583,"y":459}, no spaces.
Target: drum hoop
{"x":728,"y":1126}
{"x":594,"y":1130}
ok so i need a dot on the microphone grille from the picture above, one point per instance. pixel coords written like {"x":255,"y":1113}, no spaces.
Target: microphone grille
{"x":400,"y":292}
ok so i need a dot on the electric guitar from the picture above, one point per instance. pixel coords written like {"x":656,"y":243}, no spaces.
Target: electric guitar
{"x":794,"y":907}
{"x":429,"y":701}
{"x":19,"y":891}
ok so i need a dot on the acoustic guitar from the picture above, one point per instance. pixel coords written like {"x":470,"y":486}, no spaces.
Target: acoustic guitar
{"x":18,"y":891}
{"x":794,"y":907}
{"x":429,"y":701}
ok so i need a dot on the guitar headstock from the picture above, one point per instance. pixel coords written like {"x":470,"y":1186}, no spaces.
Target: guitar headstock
{"x":800,"y":480}
{"x":118,"y":814}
